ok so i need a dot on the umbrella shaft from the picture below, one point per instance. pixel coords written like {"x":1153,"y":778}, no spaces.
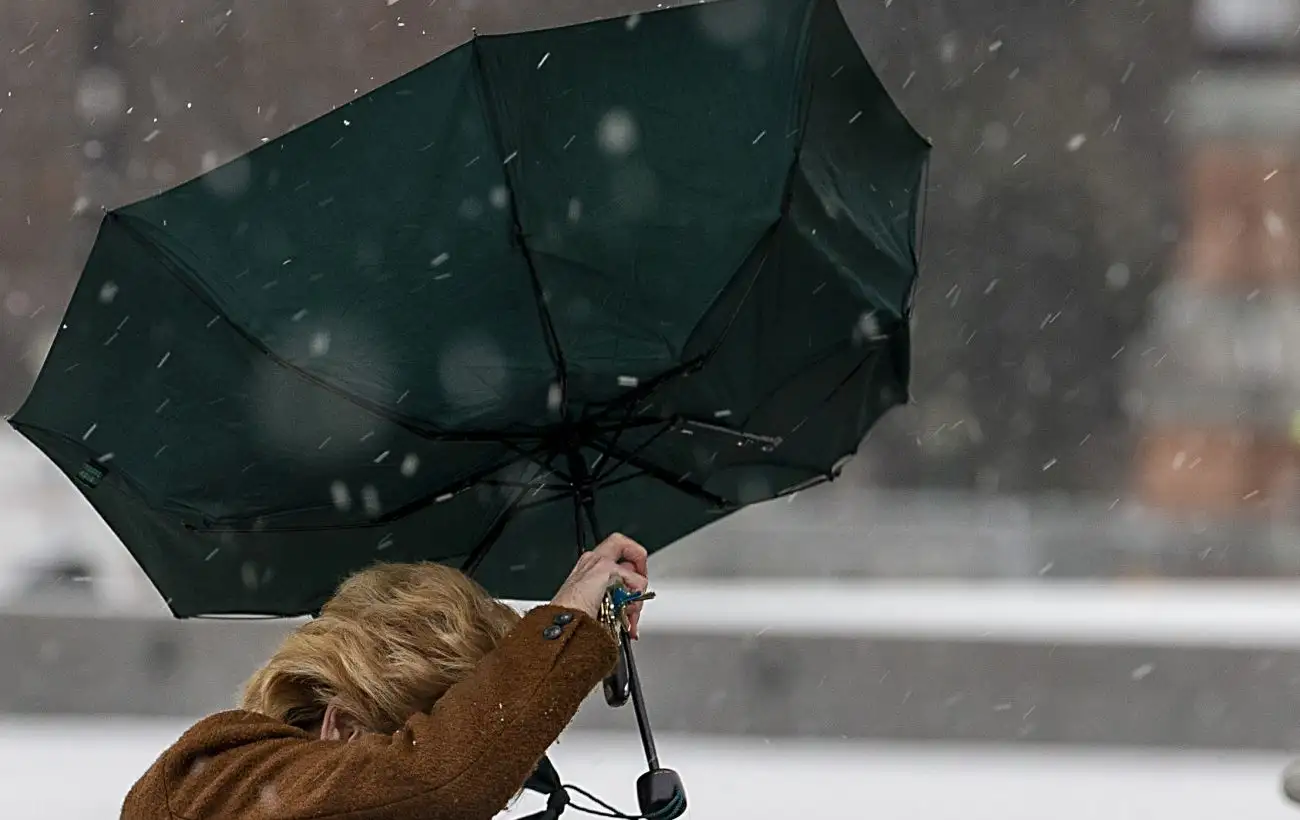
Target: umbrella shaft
{"x":638,"y":704}
{"x":586,"y":508}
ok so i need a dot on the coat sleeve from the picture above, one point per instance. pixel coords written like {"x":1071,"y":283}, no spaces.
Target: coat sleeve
{"x":465,"y":759}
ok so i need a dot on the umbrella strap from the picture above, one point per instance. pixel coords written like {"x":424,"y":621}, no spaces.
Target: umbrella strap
{"x":669,"y":812}
{"x":545,"y":780}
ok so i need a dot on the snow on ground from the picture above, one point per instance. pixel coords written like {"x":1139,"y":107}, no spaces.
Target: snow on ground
{"x":79,"y":768}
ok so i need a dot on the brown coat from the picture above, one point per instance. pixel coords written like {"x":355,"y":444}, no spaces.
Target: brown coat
{"x":463,"y":760}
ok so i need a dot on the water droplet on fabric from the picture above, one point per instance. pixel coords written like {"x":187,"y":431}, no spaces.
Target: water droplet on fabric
{"x":732,"y":24}
{"x":867,"y":328}
{"x":473,"y":373}
{"x":617,"y":132}
{"x":370,"y":499}
{"x":320,"y":343}
{"x":410,"y":464}
{"x":470,"y":208}
{"x":340,"y":495}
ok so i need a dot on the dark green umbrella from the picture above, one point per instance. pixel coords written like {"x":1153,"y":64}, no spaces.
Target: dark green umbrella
{"x":659,"y":265}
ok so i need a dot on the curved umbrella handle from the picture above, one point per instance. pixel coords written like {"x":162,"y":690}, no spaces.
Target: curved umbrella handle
{"x":618,"y":686}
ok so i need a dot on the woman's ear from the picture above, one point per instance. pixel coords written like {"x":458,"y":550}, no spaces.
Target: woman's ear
{"x":339,"y":725}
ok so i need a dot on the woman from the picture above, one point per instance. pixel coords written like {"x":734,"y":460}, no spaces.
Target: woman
{"x":412,"y":695}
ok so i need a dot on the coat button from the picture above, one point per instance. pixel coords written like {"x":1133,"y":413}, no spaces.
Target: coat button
{"x":564,"y":619}
{"x":550,"y":633}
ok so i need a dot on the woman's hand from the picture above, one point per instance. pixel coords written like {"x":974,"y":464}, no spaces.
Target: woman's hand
{"x":618,"y":558}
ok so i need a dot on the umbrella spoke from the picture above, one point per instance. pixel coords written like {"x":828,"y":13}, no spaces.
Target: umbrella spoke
{"x":493,"y":534}
{"x":444,"y":493}
{"x":619,"y":461}
{"x":655,"y":471}
{"x":539,"y":294}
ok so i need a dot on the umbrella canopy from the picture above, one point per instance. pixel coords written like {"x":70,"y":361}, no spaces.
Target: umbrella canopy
{"x":661,"y":264}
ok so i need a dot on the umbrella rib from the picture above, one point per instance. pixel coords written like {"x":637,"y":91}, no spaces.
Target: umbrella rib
{"x":657,"y":472}
{"x":539,"y":294}
{"x":617,"y":462}
{"x":565,"y":496}
{"x":403,"y":511}
{"x":651,"y":386}
{"x":494,"y":533}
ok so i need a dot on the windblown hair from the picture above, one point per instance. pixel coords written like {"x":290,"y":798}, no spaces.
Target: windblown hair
{"x":389,"y":643}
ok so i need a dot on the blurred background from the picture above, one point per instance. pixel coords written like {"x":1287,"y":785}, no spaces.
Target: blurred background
{"x":1063,"y":576}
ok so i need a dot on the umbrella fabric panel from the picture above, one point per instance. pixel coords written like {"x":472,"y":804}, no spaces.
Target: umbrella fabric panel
{"x":204,"y":570}
{"x":801,"y":362}
{"x":214,"y":433}
{"x":865,"y":163}
{"x":211,"y":427}
{"x":642,"y":185}
{"x":374,"y":249}
{"x":202,"y":573}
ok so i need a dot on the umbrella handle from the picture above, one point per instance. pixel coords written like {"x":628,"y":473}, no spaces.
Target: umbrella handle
{"x":618,"y":685}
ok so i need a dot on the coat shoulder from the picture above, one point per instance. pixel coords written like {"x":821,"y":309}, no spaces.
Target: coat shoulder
{"x":185,"y":774}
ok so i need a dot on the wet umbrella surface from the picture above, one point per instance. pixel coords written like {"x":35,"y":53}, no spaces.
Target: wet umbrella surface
{"x":659,"y":265}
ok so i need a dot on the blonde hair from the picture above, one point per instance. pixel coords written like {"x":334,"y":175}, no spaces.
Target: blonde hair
{"x":389,"y":643}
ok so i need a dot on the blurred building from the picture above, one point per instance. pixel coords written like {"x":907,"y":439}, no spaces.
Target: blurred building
{"x":1216,"y":379}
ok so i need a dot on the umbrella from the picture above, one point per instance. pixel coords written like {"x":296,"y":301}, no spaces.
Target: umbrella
{"x":630,"y":275}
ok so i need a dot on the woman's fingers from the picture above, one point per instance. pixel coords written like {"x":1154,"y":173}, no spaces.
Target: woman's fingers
{"x":631,"y":579}
{"x":634,"y":618}
{"x":630,"y":568}
{"x":624,"y":550}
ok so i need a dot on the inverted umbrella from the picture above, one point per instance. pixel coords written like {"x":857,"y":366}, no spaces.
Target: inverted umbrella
{"x":643,"y":271}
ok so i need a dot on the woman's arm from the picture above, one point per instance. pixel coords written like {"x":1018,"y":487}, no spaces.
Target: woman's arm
{"x":465,"y":759}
